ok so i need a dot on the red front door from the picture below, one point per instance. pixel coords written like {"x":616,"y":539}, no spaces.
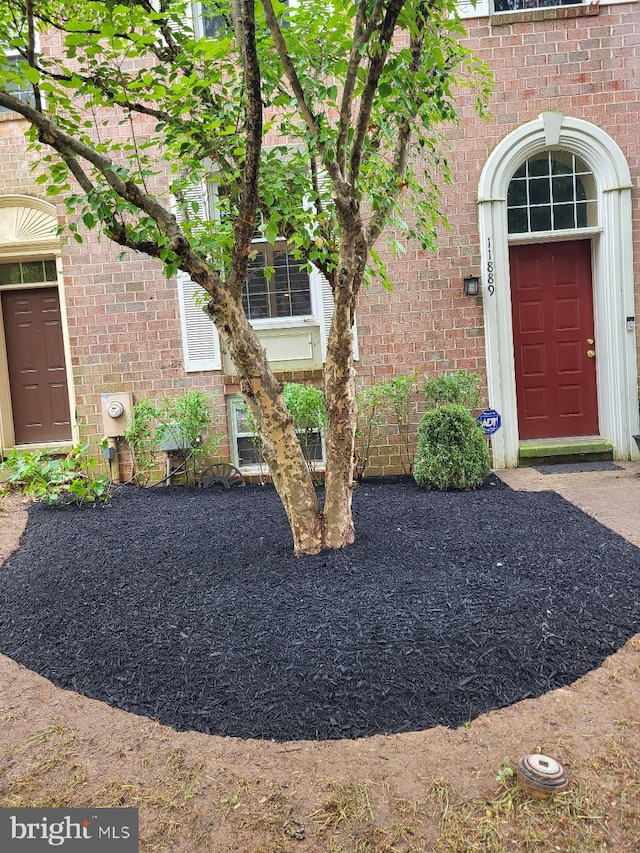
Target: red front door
{"x":37,"y":372}
{"x":553,"y":337}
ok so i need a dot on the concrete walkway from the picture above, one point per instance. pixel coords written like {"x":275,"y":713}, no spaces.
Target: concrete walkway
{"x":612,"y":497}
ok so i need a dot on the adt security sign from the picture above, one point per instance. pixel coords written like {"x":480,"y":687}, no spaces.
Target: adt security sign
{"x":490,"y":421}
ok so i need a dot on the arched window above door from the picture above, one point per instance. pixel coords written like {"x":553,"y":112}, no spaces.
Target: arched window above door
{"x":551,"y":191}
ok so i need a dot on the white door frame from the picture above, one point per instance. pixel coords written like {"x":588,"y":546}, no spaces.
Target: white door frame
{"x":28,"y":231}
{"x":612,"y":272}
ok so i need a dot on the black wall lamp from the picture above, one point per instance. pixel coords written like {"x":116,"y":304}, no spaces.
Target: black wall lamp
{"x":471,"y":285}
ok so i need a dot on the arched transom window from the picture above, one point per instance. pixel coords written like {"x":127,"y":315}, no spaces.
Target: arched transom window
{"x":552,"y":191}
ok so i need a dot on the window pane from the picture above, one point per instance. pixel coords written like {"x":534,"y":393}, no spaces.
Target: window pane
{"x":562,"y":163}
{"x":214,"y":23}
{"x":300,"y":303}
{"x":50,"y":271}
{"x":517,"y":194}
{"x":592,"y":213}
{"x":33,"y":271}
{"x":248,"y":453}
{"x":22,"y":91}
{"x":286,"y":294}
{"x":517,"y":220}
{"x":564,"y":216}
{"x":539,"y":166}
{"x":581,"y":193}
{"x":581,"y":214}
{"x":581,"y":167}
{"x":242,"y":418}
{"x":10,"y":274}
{"x":256,"y":299}
{"x":562,"y":188}
{"x":539,"y":191}
{"x":312,"y":446}
{"x":540,"y":218}
{"x":522,"y":5}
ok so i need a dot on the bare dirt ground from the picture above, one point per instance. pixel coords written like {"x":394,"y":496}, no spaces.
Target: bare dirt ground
{"x":436,"y":790}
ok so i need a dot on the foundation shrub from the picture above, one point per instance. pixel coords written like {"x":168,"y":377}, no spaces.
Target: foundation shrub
{"x":459,"y":387}
{"x":57,"y":480}
{"x":390,"y":404}
{"x":452,"y":451}
{"x":185,"y":422}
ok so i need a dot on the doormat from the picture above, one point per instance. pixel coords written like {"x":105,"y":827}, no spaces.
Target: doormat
{"x":577,"y":467}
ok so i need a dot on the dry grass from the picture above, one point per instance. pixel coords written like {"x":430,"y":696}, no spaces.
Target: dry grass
{"x":347,"y":803}
{"x":599,"y":811}
{"x":52,"y":775}
{"x":571,"y":822}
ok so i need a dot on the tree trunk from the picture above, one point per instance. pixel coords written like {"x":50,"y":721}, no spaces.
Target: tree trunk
{"x":280,"y":445}
{"x":340,"y":397}
{"x":339,"y":529}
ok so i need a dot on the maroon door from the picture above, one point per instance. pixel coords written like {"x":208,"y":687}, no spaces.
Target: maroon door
{"x":553,"y":337}
{"x":37,"y":374}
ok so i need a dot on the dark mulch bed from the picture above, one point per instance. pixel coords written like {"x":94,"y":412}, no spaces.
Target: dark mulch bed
{"x":187,"y":606}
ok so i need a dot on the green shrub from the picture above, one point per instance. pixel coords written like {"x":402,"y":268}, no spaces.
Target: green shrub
{"x":391,"y":402}
{"x":183,"y":421}
{"x":306,"y":404}
{"x":56,"y":480}
{"x":452,"y":452}
{"x":460,"y":388}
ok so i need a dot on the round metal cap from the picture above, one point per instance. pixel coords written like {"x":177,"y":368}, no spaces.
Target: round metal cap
{"x":541,"y":775}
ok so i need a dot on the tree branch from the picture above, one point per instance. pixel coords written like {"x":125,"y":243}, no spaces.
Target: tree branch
{"x":361,"y":35}
{"x":67,"y":146}
{"x":243,"y":12}
{"x":376,"y":66}
{"x":403,"y":137}
{"x":289,"y":69}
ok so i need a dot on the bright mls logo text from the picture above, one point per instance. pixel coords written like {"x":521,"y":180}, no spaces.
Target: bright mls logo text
{"x":32,"y":830}
{"x":56,"y":833}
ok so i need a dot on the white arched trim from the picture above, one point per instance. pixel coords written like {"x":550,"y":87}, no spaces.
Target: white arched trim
{"x":26,"y":224}
{"x":613,"y":286}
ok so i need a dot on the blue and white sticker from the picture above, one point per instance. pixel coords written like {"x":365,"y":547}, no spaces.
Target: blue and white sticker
{"x":490,"y":421}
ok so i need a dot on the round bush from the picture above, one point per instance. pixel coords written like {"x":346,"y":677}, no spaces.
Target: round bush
{"x":452,"y":451}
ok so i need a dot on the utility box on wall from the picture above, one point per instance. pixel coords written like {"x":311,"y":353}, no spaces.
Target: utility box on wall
{"x":116,"y":413}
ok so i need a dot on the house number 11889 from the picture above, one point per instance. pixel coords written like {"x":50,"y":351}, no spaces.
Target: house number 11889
{"x":490,"y":285}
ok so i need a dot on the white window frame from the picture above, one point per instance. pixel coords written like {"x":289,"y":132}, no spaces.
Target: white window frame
{"x":13,"y":54}
{"x":523,"y":7}
{"x":300,"y":320}
{"x":233,"y":404}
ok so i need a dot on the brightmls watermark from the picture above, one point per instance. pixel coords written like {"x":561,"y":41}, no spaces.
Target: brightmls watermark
{"x":69,"y":830}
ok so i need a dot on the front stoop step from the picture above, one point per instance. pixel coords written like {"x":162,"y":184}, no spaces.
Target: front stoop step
{"x":555,"y":450}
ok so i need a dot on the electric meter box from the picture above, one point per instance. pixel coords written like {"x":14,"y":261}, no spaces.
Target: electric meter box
{"x":116,"y":413}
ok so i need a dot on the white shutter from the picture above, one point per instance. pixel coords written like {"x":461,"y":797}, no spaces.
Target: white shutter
{"x":326,"y":315}
{"x":200,"y":339}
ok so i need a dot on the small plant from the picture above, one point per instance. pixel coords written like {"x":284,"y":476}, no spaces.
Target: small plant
{"x":505,"y":773}
{"x":452,"y":451}
{"x":183,"y":422}
{"x":306,"y":404}
{"x":187,"y":422}
{"x":142,"y":441}
{"x":459,"y":388}
{"x":56,"y":480}
{"x":389,"y":401}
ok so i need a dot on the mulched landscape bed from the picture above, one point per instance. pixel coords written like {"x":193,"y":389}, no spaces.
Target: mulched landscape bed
{"x":187,"y":606}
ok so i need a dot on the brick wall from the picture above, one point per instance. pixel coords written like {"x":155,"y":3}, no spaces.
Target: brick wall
{"x":123,"y":315}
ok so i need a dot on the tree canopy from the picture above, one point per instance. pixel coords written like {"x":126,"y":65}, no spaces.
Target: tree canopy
{"x":317,"y":123}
